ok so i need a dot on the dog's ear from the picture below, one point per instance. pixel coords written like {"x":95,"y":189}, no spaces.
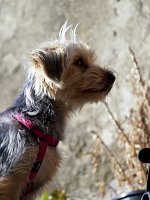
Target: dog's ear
{"x":50,"y":60}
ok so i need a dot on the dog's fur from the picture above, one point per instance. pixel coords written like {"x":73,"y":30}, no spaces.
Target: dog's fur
{"x":63,"y":77}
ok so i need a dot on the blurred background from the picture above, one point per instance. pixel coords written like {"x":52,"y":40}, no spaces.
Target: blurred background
{"x":110,"y":28}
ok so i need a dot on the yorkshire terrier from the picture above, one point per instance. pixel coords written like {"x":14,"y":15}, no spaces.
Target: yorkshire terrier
{"x":62,"y":77}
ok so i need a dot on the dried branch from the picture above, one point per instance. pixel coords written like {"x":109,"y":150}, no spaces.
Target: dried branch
{"x":112,"y":157}
{"x":138,"y":73}
{"x":122,"y":131}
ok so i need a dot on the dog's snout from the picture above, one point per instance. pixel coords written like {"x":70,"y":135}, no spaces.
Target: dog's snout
{"x":111,"y":77}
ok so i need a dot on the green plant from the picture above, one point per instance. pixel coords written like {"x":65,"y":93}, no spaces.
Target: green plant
{"x":45,"y":196}
{"x":56,"y":195}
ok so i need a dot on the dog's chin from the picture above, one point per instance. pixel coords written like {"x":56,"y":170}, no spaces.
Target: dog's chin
{"x":102,"y":97}
{"x":98,"y":95}
{"x":104,"y":90}
{"x":105,"y":94}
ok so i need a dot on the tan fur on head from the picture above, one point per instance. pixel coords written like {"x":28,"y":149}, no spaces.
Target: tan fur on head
{"x":65,"y":69}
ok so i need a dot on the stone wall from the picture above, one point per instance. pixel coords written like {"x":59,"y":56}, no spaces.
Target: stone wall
{"x":109,"y":26}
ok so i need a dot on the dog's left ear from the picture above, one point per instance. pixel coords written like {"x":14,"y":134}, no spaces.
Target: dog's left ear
{"x":51,"y":61}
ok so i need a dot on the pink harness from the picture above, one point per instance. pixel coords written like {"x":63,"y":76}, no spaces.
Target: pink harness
{"x":44,"y":141}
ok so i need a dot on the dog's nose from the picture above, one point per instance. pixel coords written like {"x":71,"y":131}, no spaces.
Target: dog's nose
{"x":111,"y":77}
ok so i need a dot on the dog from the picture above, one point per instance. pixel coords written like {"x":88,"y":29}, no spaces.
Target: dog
{"x":62,"y":77}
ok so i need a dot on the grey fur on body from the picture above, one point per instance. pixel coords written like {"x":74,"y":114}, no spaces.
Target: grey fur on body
{"x":14,"y":137}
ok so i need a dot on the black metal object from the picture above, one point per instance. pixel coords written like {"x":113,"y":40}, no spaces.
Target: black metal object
{"x":134,"y":195}
{"x":146,"y":196}
{"x":144,"y":156}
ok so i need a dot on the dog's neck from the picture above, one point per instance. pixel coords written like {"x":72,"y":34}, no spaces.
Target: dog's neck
{"x":45,"y":112}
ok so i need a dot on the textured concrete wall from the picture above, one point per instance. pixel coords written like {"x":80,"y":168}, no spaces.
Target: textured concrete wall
{"x":109,"y":26}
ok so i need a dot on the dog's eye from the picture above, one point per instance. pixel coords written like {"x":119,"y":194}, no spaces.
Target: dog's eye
{"x":79,"y":62}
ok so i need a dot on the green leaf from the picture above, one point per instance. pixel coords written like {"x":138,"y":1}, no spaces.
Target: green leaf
{"x":45,"y":196}
{"x":55,"y":195}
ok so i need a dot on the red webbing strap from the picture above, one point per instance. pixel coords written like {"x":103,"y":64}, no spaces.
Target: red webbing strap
{"x":44,"y":140}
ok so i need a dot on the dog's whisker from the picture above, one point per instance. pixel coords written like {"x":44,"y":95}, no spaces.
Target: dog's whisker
{"x":63,"y":31}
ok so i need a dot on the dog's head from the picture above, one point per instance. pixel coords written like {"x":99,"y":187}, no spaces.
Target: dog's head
{"x":66,"y":71}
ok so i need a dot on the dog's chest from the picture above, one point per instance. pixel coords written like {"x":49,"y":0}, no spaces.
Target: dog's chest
{"x":51,"y":159}
{"x":48,"y":168}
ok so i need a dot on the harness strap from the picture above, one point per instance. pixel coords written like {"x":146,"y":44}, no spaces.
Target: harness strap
{"x":44,"y":141}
